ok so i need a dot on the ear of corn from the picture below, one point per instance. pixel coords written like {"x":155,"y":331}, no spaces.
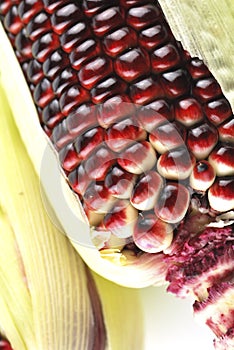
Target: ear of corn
{"x":47,"y":298}
{"x":192,"y":173}
{"x":72,"y":205}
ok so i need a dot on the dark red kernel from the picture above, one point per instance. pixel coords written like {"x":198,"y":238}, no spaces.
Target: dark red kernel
{"x":119,"y":182}
{"x":60,"y":136}
{"x":89,"y":141}
{"x":146,"y":90}
{"x":119,"y":41}
{"x":65,"y":17}
{"x":222,"y":159}
{"x":43,"y":93}
{"x":146,"y":191}
{"x":99,"y":162}
{"x":94,"y":71}
{"x":44,"y":46}
{"x":123,"y":133}
{"x":226,"y":131}
{"x":72,"y":97}
{"x":92,"y":7}
{"x":188,"y":111}
{"x":23,"y":44}
{"x":207,"y":89}
{"x":203,"y":172}
{"x":202,"y":139}
{"x":221,"y":194}
{"x":151,"y":234}
{"x":5,"y":345}
{"x":107,"y":88}
{"x":132,"y":64}
{"x":20,"y":58}
{"x":175,"y":83}
{"x":81,"y":119}
{"x":120,"y":219}
{"x":202,"y":176}
{"x":74,"y":36}
{"x":6,"y":5}
{"x":173,"y":202}
{"x":154,"y":114}
{"x":197,"y":68}
{"x":53,"y":5}
{"x":151,"y":37}
{"x":65,"y":78}
{"x":27,"y":9}
{"x":68,"y":157}
{"x":114,"y":109}
{"x":57,"y":61}
{"x":51,"y":114}
{"x":176,"y":163}
{"x":218,"y":111}
{"x":140,"y":17}
{"x":165,"y":57}
{"x":167,"y":136}
{"x":79,"y":180}
{"x":39,"y":25}
{"x":97,"y":197}
{"x":87,"y":50}
{"x":107,"y":20}
{"x":223,"y":188}
{"x":137,"y":158}
{"x":12,"y":21}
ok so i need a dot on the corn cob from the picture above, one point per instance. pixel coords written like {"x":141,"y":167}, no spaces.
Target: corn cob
{"x":143,"y":132}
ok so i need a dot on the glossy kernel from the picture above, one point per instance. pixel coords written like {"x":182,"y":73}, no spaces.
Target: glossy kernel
{"x":85,"y":51}
{"x":94,"y":71}
{"x":164,"y":58}
{"x":44,"y":46}
{"x":140,"y":17}
{"x":132,"y":64}
{"x":64,"y":17}
{"x":119,"y":40}
{"x":175,"y":83}
{"x":107,"y":20}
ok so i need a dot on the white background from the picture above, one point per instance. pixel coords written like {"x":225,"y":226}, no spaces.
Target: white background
{"x":170,"y":325}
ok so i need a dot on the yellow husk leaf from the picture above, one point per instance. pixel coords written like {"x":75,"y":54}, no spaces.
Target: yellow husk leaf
{"x":44,"y":297}
{"x":125,"y":329}
{"x":15,"y":303}
{"x":53,"y":289}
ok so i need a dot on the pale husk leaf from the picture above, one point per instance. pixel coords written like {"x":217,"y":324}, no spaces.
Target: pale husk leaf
{"x":56,"y":297}
{"x":122,"y":309}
